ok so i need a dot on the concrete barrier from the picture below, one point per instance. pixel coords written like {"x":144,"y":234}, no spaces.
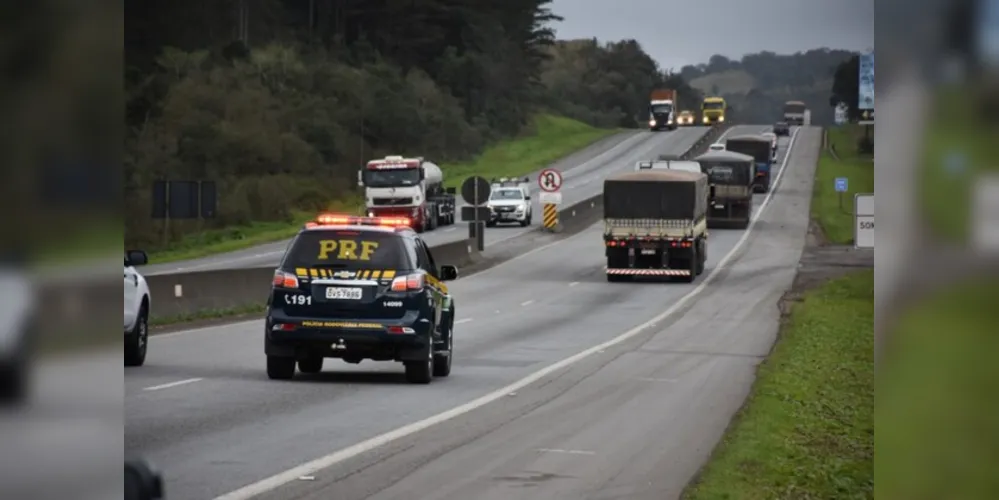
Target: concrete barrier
{"x":190,"y":294}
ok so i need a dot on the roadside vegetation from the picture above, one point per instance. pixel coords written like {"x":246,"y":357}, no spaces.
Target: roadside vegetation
{"x":807,"y":428}
{"x":831,"y":210}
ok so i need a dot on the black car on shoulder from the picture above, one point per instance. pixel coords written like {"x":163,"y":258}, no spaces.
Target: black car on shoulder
{"x":782,"y":128}
{"x":358,"y":288}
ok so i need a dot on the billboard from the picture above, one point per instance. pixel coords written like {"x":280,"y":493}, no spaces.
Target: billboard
{"x":865,"y":88}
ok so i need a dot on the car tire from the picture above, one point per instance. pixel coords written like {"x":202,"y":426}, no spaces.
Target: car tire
{"x":280,"y":367}
{"x":442,"y":363}
{"x":312,"y":364}
{"x":14,"y":382}
{"x":421,"y":372}
{"x":137,"y":341}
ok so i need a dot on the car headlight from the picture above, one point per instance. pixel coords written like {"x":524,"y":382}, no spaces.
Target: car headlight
{"x":652,"y":123}
{"x":721,"y":118}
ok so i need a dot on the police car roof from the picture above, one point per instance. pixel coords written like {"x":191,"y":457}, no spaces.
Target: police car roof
{"x":724,"y":156}
{"x":747,"y":137}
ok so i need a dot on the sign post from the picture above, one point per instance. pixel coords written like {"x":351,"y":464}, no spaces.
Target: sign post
{"x":863,"y":220}
{"x":475,"y":191}
{"x":550,"y":181}
{"x":842,"y":183}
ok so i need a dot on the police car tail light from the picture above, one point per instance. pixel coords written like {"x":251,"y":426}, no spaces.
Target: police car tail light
{"x":400,"y":329}
{"x":410,"y":283}
{"x":285,"y":280}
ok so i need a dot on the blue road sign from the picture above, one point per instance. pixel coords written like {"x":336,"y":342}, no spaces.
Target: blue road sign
{"x":841,"y":184}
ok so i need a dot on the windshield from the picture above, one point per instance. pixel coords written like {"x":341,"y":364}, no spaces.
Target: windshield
{"x":391,"y":178}
{"x":796,"y":109}
{"x":713,"y":105}
{"x":662,"y":108}
{"x":507,"y":194}
{"x":346,"y":249}
{"x":721,"y":173}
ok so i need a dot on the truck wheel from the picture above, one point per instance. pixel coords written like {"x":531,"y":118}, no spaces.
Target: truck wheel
{"x":312,"y":364}
{"x":420,"y":372}
{"x":693,"y":266}
{"x":702,"y":258}
{"x":280,"y":368}
{"x":137,"y":341}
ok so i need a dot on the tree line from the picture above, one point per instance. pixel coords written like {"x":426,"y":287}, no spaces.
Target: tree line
{"x":280,"y":101}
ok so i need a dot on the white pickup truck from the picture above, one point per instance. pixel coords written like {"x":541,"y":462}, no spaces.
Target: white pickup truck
{"x":136,"y":309}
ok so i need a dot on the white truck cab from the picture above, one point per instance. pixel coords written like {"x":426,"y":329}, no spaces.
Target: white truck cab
{"x":137,"y":304}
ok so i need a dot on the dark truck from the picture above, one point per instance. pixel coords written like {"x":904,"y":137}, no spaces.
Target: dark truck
{"x":759,"y":148}
{"x":655,"y":224}
{"x":730,"y":187}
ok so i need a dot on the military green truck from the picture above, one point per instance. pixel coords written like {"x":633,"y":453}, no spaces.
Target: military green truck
{"x":730,"y":187}
{"x":655,"y":224}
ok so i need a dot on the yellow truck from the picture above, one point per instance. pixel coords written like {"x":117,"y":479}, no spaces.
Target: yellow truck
{"x":713,"y":110}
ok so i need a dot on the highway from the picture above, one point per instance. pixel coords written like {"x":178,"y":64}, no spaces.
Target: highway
{"x":564,"y":385}
{"x":582,"y":173}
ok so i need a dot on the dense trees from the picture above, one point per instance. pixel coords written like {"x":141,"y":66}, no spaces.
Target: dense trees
{"x":279,"y":101}
{"x":758,"y":85}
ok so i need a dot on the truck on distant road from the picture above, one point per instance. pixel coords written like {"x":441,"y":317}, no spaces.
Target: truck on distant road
{"x":395,"y":186}
{"x":655,"y":224}
{"x":759,"y":148}
{"x":730,"y":187}
{"x":662,"y":109}
{"x":713,"y":110}
{"x":794,"y":112}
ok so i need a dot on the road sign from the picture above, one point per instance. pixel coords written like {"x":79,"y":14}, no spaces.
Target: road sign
{"x":475,"y":190}
{"x":550,"y":216}
{"x":865,"y":82}
{"x":863,"y":220}
{"x":550,"y":180}
{"x":471,"y":213}
{"x":553,"y":198}
{"x":841,"y":184}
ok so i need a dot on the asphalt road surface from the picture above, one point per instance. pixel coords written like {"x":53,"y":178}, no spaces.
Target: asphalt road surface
{"x":632,"y":420}
{"x":582,"y":173}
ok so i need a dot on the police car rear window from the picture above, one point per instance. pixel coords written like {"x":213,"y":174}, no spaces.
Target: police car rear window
{"x":348,"y":249}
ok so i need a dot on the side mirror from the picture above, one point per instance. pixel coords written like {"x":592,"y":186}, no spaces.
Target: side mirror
{"x":528,"y":198}
{"x":142,"y":482}
{"x":423,"y":174}
{"x":136,"y":258}
{"x":449,"y":273}
{"x":451,"y":190}
{"x":360,"y":178}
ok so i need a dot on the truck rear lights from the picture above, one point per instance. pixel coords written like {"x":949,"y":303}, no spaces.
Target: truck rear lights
{"x":681,"y":244}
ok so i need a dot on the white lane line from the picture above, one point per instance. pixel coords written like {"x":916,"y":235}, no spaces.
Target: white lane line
{"x":574,"y":283}
{"x":290,"y":475}
{"x":652,"y":379}
{"x":463,"y":320}
{"x":570,"y":452}
{"x":526,"y":303}
{"x":173,"y":384}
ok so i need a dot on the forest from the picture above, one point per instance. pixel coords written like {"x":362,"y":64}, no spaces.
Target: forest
{"x":279,"y":101}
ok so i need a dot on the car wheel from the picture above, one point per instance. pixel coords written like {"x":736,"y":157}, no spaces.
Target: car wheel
{"x":420,"y":372}
{"x":442,"y":363}
{"x":312,"y":364}
{"x":137,"y":342}
{"x":280,"y":368}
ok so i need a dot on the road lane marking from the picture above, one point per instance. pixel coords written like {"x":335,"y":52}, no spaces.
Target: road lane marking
{"x":526,"y":303}
{"x":574,"y":283}
{"x":463,"y":320}
{"x":570,"y":452}
{"x":173,"y":384}
{"x":652,"y":379}
{"x":290,"y":475}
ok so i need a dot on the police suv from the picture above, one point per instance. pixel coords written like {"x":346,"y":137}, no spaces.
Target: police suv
{"x":509,"y":201}
{"x":360,"y":288}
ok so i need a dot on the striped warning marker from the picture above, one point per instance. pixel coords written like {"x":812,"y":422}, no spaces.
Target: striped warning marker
{"x":649,"y":272}
{"x":550,"y":215}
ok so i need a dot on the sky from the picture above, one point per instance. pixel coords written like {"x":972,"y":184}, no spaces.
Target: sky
{"x":676,"y":33}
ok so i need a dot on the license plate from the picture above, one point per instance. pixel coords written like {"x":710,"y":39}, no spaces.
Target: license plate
{"x":649,"y":251}
{"x":719,"y":206}
{"x":342,"y":293}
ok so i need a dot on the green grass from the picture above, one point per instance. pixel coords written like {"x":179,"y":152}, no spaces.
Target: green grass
{"x":208,"y":314}
{"x":836,"y":220}
{"x":955,"y":127}
{"x":936,"y":417}
{"x":555,"y":137}
{"x":807,"y":429}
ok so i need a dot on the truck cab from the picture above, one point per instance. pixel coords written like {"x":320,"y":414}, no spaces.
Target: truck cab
{"x":662,"y":110}
{"x":713,"y":110}
{"x":395,"y":186}
{"x":759,"y":148}
{"x":794,"y":112}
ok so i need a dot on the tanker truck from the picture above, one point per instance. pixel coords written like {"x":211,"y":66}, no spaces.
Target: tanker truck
{"x":407,"y":187}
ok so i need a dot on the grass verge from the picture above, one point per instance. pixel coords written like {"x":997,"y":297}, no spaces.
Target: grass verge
{"x":836,"y":220}
{"x":555,"y":137}
{"x":807,"y":429}
{"x":936,"y":415}
{"x":958,"y":148}
{"x":208,"y":314}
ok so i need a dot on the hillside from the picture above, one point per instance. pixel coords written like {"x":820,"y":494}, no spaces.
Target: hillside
{"x":757,"y":86}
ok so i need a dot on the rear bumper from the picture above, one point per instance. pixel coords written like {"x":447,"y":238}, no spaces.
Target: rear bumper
{"x":348,"y":338}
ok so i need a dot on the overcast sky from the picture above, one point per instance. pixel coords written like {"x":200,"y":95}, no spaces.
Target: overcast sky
{"x":677,"y":33}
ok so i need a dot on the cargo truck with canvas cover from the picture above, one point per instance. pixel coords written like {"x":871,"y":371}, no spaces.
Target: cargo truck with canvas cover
{"x":655,"y":224}
{"x":758,"y":147}
{"x":730,"y":187}
{"x":407,"y":187}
